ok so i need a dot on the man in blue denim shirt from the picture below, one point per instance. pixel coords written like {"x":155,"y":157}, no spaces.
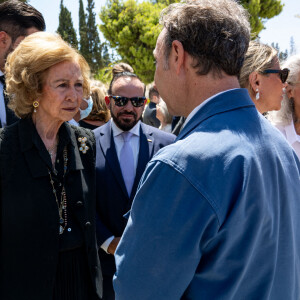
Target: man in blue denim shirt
{"x":217,"y":214}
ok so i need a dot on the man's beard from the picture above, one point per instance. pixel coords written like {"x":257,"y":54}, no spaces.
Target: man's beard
{"x":8,"y":51}
{"x":125,"y":124}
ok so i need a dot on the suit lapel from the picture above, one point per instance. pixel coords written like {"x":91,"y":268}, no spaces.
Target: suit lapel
{"x":107,"y":146}
{"x":145,"y":154}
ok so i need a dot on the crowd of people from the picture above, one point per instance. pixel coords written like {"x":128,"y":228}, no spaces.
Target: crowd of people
{"x":192,"y":194}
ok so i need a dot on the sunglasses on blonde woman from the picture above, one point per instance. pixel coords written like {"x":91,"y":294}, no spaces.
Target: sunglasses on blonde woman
{"x":283,"y":74}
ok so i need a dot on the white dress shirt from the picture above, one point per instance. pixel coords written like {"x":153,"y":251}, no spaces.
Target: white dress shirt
{"x":292,"y":137}
{"x":119,"y":142}
{"x":73,"y":122}
{"x":2,"y":104}
{"x":134,"y":141}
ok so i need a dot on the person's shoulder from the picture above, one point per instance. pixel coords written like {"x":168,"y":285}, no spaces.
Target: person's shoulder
{"x":157,"y":133}
{"x":9,"y":139}
{"x":81,"y":132}
{"x":102,"y":128}
{"x":9,"y":131}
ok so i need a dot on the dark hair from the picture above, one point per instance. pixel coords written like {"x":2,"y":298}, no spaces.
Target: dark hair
{"x":16,"y":17}
{"x":122,"y":70}
{"x":121,"y":67}
{"x":215,"y":33}
{"x":153,"y":92}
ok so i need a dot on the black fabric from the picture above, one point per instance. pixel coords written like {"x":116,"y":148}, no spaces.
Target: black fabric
{"x":108,"y":289}
{"x":10,"y":115}
{"x":29,"y":223}
{"x":87,"y":125}
{"x":149,"y":116}
{"x":72,"y":280}
{"x":73,"y":234}
{"x":178,"y":125}
{"x":2,"y":80}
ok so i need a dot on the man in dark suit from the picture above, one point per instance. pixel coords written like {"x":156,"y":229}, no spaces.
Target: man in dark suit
{"x":17,"y":20}
{"x":149,"y":115}
{"x":124,"y":146}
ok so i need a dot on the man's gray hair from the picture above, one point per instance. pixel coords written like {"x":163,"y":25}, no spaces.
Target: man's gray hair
{"x":216,"y":33}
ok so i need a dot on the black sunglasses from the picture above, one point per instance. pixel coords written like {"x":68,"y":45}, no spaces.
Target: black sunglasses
{"x":283,"y":74}
{"x":135,"y":101}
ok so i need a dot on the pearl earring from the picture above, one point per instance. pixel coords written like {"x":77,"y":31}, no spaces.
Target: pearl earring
{"x":257,"y":94}
{"x":35,"y":104}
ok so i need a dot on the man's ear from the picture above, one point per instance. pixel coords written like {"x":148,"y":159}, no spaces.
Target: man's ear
{"x":177,"y":55}
{"x":289,"y":91}
{"x":107,"y":100}
{"x":4,"y":39}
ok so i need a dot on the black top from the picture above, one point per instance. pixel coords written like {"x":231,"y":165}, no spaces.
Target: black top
{"x":87,"y":125}
{"x":72,"y":236}
{"x":29,"y":219}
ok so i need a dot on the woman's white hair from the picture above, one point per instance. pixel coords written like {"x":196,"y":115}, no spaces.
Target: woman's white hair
{"x":286,"y":113}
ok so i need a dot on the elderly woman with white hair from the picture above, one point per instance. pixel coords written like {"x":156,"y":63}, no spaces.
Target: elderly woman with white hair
{"x":163,"y":115}
{"x":287,"y":119}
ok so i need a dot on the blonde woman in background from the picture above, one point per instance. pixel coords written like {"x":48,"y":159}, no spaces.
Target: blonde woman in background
{"x":287,"y":119}
{"x":262,"y":76}
{"x":100,"y":114}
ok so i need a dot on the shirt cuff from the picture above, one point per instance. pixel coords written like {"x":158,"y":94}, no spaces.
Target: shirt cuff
{"x":105,"y":245}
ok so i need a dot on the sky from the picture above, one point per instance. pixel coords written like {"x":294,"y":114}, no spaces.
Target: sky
{"x":279,"y":29}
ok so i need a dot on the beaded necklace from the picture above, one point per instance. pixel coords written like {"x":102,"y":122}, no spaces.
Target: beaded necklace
{"x":62,"y":206}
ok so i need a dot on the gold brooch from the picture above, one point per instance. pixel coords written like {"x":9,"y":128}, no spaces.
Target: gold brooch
{"x":83,"y":147}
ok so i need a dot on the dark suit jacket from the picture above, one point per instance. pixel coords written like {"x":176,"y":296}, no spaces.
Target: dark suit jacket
{"x":112,"y":198}
{"x":10,"y":115}
{"x":29,"y":240}
{"x":149,"y":116}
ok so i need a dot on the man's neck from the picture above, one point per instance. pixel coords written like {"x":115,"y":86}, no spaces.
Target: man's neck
{"x":206,"y":87}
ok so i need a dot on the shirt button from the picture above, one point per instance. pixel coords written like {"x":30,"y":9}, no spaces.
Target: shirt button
{"x":79,"y":203}
{"x":88,"y":224}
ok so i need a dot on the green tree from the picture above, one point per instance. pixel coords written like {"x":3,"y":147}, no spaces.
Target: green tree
{"x":83,"y":45}
{"x":65,"y":27}
{"x":105,"y":54}
{"x":281,"y":55}
{"x":261,"y":10}
{"x":93,"y":55}
{"x":132,"y":28}
{"x":2,"y":1}
{"x":293,"y":49}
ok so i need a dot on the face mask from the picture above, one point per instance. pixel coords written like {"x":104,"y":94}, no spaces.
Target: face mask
{"x":85,"y":112}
